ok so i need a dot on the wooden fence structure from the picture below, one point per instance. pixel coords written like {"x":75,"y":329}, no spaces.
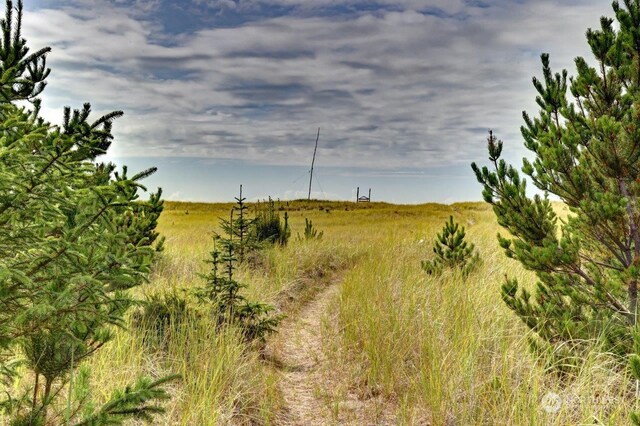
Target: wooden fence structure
{"x":363,"y":198}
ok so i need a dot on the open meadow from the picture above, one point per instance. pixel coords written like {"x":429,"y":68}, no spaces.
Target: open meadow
{"x":119,"y":307}
{"x":369,"y":337}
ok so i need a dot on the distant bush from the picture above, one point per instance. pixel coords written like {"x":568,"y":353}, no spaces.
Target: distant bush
{"x":310,"y":233}
{"x":452,"y":251}
{"x":268,"y":227}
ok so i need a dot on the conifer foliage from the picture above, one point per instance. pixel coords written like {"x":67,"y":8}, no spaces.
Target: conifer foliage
{"x":268,"y":227}
{"x":241,"y":235}
{"x":310,"y":232}
{"x":22,"y":74}
{"x":73,"y":239}
{"x":142,"y":217}
{"x":255,"y":319}
{"x":239,"y":229}
{"x":452,"y":251}
{"x":586,"y":151}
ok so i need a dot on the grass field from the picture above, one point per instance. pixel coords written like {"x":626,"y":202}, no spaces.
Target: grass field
{"x":398,"y":346}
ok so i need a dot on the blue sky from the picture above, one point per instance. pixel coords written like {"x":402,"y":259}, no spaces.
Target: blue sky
{"x":222,"y":92}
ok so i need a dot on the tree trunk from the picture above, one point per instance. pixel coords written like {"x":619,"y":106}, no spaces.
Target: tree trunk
{"x":635,"y":237}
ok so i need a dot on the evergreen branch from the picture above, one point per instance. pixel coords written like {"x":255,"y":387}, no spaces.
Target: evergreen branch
{"x":132,"y":402}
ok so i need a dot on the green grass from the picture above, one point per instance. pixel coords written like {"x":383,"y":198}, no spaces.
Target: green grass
{"x":443,"y":350}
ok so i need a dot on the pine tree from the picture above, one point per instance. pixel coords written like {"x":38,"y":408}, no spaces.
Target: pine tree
{"x":22,"y":74}
{"x":67,"y":256}
{"x":310,"y":233}
{"x":452,"y":251}
{"x":239,"y":235}
{"x":586,"y":151}
{"x":238,"y":229}
{"x":142,"y":219}
{"x":255,"y":319}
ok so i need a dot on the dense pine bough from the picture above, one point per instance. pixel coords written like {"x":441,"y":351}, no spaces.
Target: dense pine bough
{"x":586,"y":151}
{"x":73,"y":239}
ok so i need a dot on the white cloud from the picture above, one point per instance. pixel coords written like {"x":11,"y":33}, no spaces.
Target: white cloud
{"x":388,"y":88}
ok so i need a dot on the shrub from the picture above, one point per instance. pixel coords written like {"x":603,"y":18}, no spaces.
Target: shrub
{"x":159,"y":314}
{"x":310,"y":233}
{"x":268,"y":226}
{"x":73,"y":239}
{"x":452,"y":251}
{"x":586,"y":151}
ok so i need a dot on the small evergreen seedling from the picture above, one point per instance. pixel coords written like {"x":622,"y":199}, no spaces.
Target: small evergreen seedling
{"x":239,"y":229}
{"x":230,"y":306}
{"x":310,"y":233}
{"x":452,"y":251}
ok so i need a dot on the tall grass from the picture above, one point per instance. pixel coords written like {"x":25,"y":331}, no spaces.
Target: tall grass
{"x":439,"y":350}
{"x":224,"y":381}
{"x":447,"y":351}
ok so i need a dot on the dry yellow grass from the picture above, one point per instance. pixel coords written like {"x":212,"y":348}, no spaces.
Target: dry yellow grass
{"x":397,"y":346}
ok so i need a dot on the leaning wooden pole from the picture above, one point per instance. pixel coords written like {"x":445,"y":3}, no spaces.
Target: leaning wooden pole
{"x":312,"y":163}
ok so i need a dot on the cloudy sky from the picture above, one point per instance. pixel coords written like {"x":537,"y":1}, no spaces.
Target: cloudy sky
{"x":222,"y":92}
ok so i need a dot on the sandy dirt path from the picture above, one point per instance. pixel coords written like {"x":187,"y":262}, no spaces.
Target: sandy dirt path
{"x":297,"y":349}
{"x":314,"y":391}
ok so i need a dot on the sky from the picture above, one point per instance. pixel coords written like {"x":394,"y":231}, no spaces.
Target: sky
{"x":218,"y":93}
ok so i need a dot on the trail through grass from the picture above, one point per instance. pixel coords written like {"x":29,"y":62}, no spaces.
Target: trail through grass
{"x":384,"y":344}
{"x":297,"y":352}
{"x":307,"y":375}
